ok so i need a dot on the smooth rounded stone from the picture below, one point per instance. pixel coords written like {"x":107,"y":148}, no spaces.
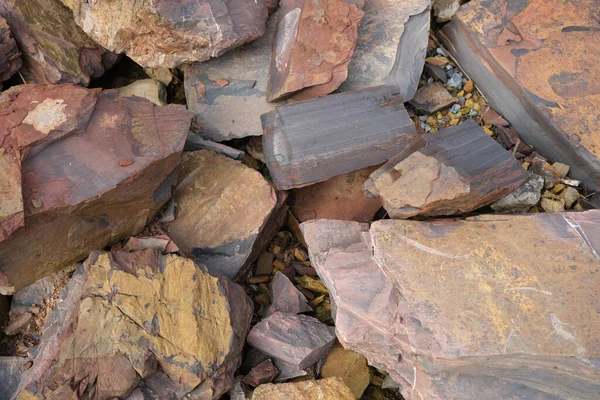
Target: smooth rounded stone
{"x":123,"y":320}
{"x":569,"y":195}
{"x":329,"y":388}
{"x":350,"y":366}
{"x":149,"y":89}
{"x":285,"y":297}
{"x":264,"y":264}
{"x":172,"y":33}
{"x":226,"y":213}
{"x":433,"y":97}
{"x":523,"y":198}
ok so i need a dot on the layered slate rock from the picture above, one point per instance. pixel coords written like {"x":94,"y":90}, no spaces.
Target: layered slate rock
{"x":168,"y":34}
{"x":536,"y":61}
{"x":80,"y":169}
{"x":311,"y":141}
{"x":232,"y":110}
{"x":455,"y":170}
{"x":391,"y":46}
{"x":123,"y":320}
{"x":225,"y":213}
{"x":54,"y":48}
{"x":453,"y":308}
{"x":340,"y":197}
{"x":313,"y":46}
{"x":285,"y":297}
{"x":10,"y":57}
{"x":330,"y":389}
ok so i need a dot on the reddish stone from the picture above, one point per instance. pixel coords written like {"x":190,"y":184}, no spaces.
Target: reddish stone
{"x":125,"y":163}
{"x":264,"y":372}
{"x":10,"y":58}
{"x":62,"y":186}
{"x":285,"y":297}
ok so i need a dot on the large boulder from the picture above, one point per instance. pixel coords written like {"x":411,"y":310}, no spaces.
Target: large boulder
{"x":10,"y":57}
{"x":55,"y":49}
{"x":79,"y":170}
{"x":170,"y":33}
{"x":454,"y":309}
{"x":126,"y":318}
{"x":225,"y":212}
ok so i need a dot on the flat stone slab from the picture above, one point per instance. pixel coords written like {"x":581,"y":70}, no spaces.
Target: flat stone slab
{"x":311,"y":141}
{"x":450,"y":306}
{"x":537,"y":62}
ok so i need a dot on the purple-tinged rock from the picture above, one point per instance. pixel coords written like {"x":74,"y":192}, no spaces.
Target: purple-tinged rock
{"x":286,"y":297}
{"x":264,"y":372}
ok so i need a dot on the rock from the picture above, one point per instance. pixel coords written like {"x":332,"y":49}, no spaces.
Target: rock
{"x":295,"y":339}
{"x":455,"y":170}
{"x":264,"y":372}
{"x":314,"y":140}
{"x":264,"y":264}
{"x":330,"y":389}
{"x":285,"y":297}
{"x":313,"y":46}
{"x":10,"y":57}
{"x":340,"y":197}
{"x":545,"y":170}
{"x":149,"y":89}
{"x":445,"y":9}
{"x":522,"y":198}
{"x":232,"y":111}
{"x":123,"y":319}
{"x":196,"y":142}
{"x":432,"y":97}
{"x":552,"y":202}
{"x":508,"y":138}
{"x":562,"y":169}
{"x":570,"y":196}
{"x":10,"y":375}
{"x":160,"y":243}
{"x":540,"y":76}
{"x":350,"y":366}
{"x":62,"y":179}
{"x":237,"y":392}
{"x":226,"y":213}
{"x":491,"y":117}
{"x":54,"y":48}
{"x":436,"y":72}
{"x":166,"y":35}
{"x":391,"y":46}
{"x":392,"y":308}
{"x":163,"y":75}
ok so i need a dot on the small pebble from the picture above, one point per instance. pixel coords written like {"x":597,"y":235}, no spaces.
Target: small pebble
{"x":455,"y":108}
{"x":562,"y":169}
{"x":423,"y":118}
{"x":430,"y":80}
{"x":441,"y":51}
{"x":469,"y":86}
{"x":571,"y":182}
{"x":455,"y":80}
{"x":473,"y":113}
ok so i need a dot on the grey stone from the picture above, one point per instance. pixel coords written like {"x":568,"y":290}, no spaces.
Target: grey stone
{"x":523,"y":198}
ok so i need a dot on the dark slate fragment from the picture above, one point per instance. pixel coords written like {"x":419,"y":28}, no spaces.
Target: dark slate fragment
{"x":311,"y":141}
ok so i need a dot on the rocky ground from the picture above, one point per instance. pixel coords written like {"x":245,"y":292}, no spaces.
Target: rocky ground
{"x":325,"y":200}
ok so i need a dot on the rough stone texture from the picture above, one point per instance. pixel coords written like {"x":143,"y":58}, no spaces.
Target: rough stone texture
{"x":313,"y":46}
{"x":537,"y":63}
{"x":453,"y":309}
{"x":443,"y":10}
{"x":225,"y":212}
{"x":455,"y":170}
{"x":148,"y":89}
{"x":294,"y":339}
{"x":196,"y":142}
{"x":391,"y":46}
{"x":330,"y":389}
{"x":264,"y":372}
{"x":432,"y":98}
{"x":123,"y":317}
{"x":232,"y":111}
{"x":569,"y":195}
{"x":170,"y":33}
{"x":314,"y":140}
{"x":544,"y":169}
{"x":350,"y":366}
{"x":285,"y":297}
{"x":10,"y":57}
{"x":10,"y":375}
{"x":80,"y":169}
{"x":54,"y":48}
{"x":523,"y":198}
{"x":340,"y":197}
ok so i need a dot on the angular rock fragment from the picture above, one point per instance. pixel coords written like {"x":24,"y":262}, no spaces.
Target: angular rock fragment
{"x":570,"y":196}
{"x":123,"y":320}
{"x":522,"y":198}
{"x":294,"y":339}
{"x":54,"y":48}
{"x":231,"y":111}
{"x":544,"y":169}
{"x":264,"y":372}
{"x":311,"y":141}
{"x":313,"y":46}
{"x":525,"y":325}
{"x":340,"y":197}
{"x":147,"y":88}
{"x":452,"y":171}
{"x":445,"y":9}
{"x":196,"y":142}
{"x":10,"y":57}
{"x":226,"y":213}
{"x":349,"y":365}
{"x":168,"y":34}
{"x":432,"y":98}
{"x":80,"y":169}
{"x":391,"y":46}
{"x":285,"y":297}
{"x":537,"y":63}
{"x":330,"y":389}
